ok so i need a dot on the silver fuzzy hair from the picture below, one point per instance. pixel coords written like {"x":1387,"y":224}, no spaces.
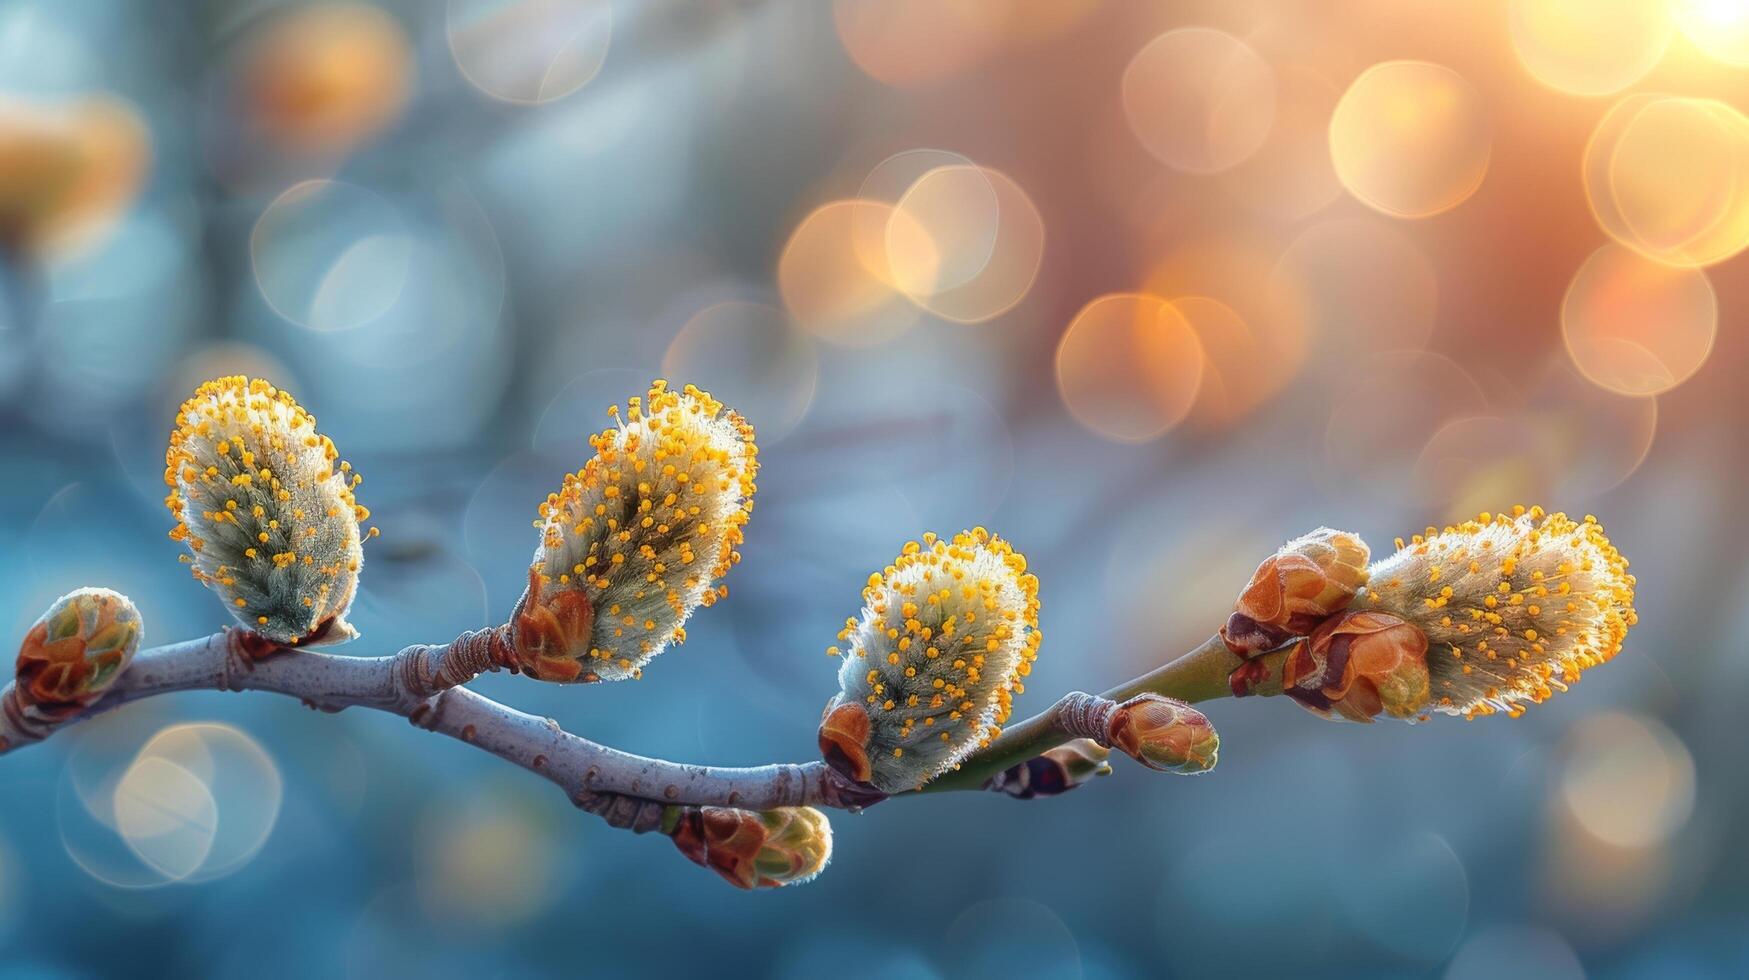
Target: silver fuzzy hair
{"x":647,"y":529}
{"x":1514,"y":607}
{"x":946,"y":634}
{"x":266,"y":510}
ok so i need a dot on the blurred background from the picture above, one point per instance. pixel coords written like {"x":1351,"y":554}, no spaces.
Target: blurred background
{"x":1147,"y":288}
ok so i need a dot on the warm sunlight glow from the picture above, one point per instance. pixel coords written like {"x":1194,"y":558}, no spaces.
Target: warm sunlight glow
{"x":1411,"y":138}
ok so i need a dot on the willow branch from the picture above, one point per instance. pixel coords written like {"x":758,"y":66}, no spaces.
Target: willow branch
{"x":1200,"y":675}
{"x":422,"y":684}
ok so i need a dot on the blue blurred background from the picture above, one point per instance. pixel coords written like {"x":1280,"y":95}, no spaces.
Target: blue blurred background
{"x":1145,"y":288}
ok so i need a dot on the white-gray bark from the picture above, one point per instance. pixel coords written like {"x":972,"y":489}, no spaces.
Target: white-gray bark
{"x":423,"y":684}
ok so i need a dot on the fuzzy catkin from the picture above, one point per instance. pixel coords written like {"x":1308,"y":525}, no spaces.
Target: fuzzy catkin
{"x":946,"y":634}
{"x":1514,"y":606}
{"x":267,"y":511}
{"x":638,"y":538}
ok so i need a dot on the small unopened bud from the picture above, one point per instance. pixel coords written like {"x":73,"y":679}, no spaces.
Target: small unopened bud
{"x":637,"y":539}
{"x":768,"y":849}
{"x":1305,"y":582}
{"x":267,"y":511}
{"x":1514,"y":606}
{"x":1164,"y":734}
{"x":845,"y":735}
{"x":1054,"y":771}
{"x":72,"y":655}
{"x":1359,"y":665}
{"x":947,"y":632}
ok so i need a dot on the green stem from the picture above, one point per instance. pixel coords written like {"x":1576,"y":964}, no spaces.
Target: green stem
{"x":1200,"y":675}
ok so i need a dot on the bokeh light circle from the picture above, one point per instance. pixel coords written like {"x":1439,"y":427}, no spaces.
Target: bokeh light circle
{"x":912,"y":43}
{"x":488,"y":861}
{"x":446,"y":333}
{"x":101,"y":753}
{"x":242,"y":780}
{"x":888,"y":181}
{"x":1627,"y":779}
{"x":1199,"y":100}
{"x":167,"y":816}
{"x":943,"y":230}
{"x":134,"y":820}
{"x":936,"y":251}
{"x":1635,"y":326}
{"x":529,"y":51}
{"x":1241,"y":272}
{"x":1669,"y":176}
{"x":87,"y":832}
{"x":1589,"y":47}
{"x":114,"y":144}
{"x":1231,"y":386}
{"x":832,"y":288}
{"x":69,"y":171}
{"x":1718,"y":27}
{"x":1129,"y":366}
{"x":750,"y":357}
{"x":1411,"y":138}
{"x":322,"y":78}
{"x":329,"y":255}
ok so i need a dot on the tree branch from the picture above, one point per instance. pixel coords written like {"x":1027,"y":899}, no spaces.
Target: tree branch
{"x":1200,"y":675}
{"x":422,"y":684}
